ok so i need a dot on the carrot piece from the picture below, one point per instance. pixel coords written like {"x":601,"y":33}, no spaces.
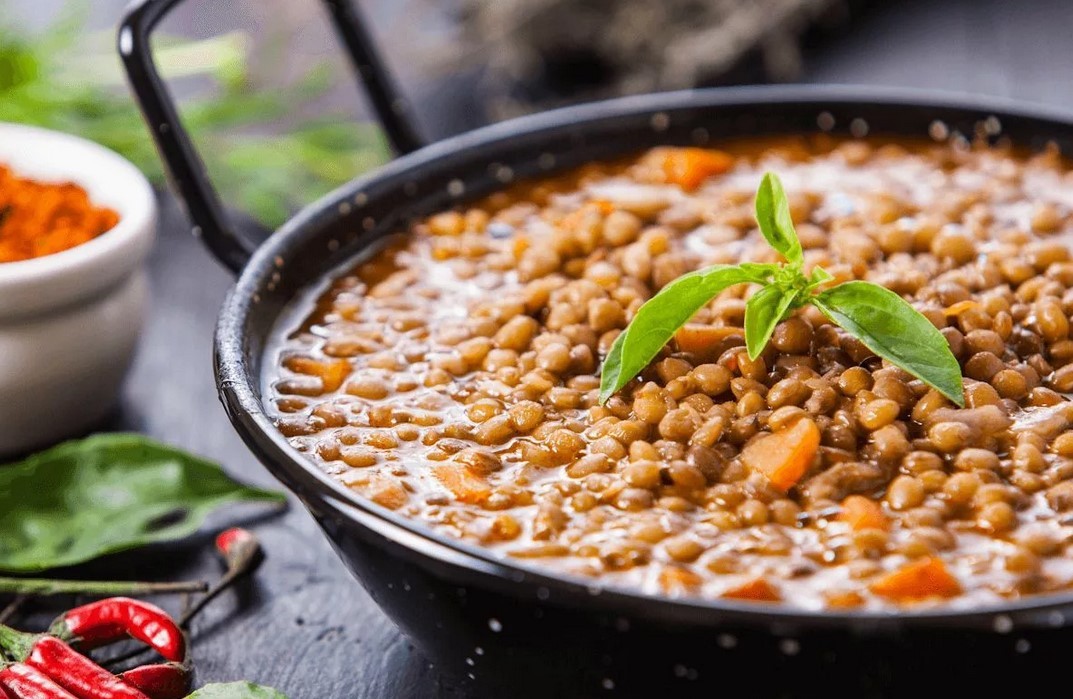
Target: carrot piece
{"x":387,"y":492}
{"x":332,"y":372}
{"x":702,"y":340}
{"x":463,"y":484}
{"x":689,"y":167}
{"x":860,"y":512}
{"x":604,"y":206}
{"x":926,"y":577}
{"x":784,"y":456}
{"x":960,"y":307}
{"x":676,"y":580}
{"x":844,"y":599}
{"x":519,"y":245}
{"x":759,"y":590}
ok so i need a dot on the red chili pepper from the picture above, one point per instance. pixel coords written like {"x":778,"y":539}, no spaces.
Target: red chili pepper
{"x":242,"y":552}
{"x":229,"y":538}
{"x":24,"y":682}
{"x":160,"y":681}
{"x":65,"y":666}
{"x":107,"y":620}
{"x":76,"y":673}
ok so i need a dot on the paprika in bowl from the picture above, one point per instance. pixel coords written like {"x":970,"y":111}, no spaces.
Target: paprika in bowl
{"x":70,"y":318}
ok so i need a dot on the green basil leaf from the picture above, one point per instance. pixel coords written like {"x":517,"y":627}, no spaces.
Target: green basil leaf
{"x":107,"y":493}
{"x":761,"y":270}
{"x":773,"y":217}
{"x":763,"y":311}
{"x":819,"y":276}
{"x":660,"y":317}
{"x":894,"y":330}
{"x":236,"y":690}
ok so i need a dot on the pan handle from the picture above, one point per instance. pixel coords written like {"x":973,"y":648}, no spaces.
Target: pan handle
{"x":185,"y":166}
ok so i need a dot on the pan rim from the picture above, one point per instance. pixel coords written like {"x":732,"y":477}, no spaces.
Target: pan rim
{"x":239,"y":393}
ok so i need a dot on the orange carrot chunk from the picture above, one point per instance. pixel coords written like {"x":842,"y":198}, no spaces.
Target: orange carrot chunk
{"x":860,"y":513}
{"x":604,"y":206}
{"x":844,"y":599}
{"x":676,"y":580}
{"x":759,"y":590}
{"x":387,"y":492}
{"x":466,"y":487}
{"x":960,"y":307}
{"x":702,"y":340}
{"x":784,"y":456}
{"x":920,"y":579}
{"x":689,"y":167}
{"x":332,"y":372}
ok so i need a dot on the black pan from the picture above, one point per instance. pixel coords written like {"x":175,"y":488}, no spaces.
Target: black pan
{"x":508,"y":628}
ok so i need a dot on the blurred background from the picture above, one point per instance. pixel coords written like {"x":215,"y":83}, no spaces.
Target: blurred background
{"x":269,"y":96}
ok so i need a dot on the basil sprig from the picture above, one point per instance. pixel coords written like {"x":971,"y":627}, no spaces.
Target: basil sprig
{"x":882,"y":320}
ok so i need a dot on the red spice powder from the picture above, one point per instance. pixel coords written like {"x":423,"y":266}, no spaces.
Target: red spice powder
{"x":40,"y":218}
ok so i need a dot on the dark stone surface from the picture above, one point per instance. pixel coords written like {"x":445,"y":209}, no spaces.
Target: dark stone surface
{"x":303,"y":625}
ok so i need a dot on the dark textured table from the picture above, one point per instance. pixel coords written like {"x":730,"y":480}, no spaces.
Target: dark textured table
{"x":303,"y":625}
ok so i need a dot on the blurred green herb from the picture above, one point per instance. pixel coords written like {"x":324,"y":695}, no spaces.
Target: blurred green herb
{"x":107,"y":493}
{"x":63,"y":79}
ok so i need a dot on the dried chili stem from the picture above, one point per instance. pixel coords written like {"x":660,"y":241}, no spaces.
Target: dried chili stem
{"x":13,"y":608}
{"x":242,"y":551}
{"x":44,"y":586}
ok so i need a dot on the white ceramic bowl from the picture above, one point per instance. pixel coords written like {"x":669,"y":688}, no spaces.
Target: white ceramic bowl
{"x":69,"y":322}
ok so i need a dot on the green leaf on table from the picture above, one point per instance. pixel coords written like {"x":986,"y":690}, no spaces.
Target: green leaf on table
{"x":107,"y":493}
{"x":662,"y":315}
{"x":894,"y":330}
{"x":763,"y":311}
{"x":773,"y":217}
{"x":236,"y":690}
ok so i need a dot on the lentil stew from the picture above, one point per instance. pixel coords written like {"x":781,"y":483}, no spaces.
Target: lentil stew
{"x":453,"y":376}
